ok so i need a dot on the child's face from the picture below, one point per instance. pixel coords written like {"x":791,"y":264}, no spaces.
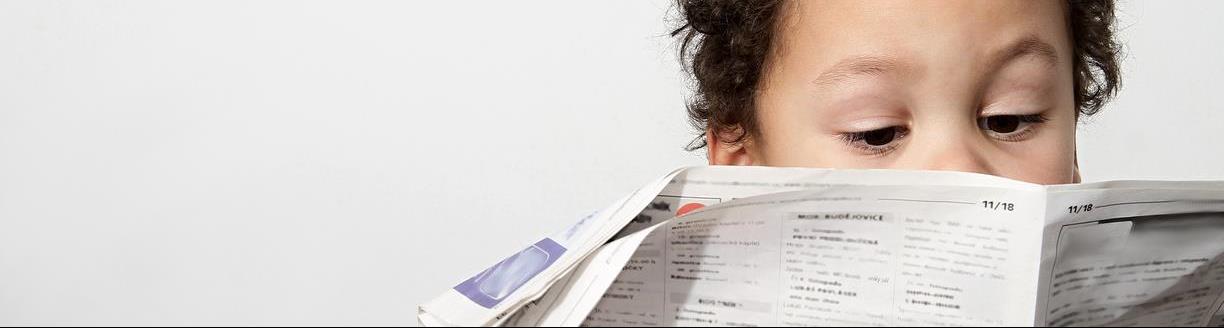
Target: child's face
{"x":979,"y":86}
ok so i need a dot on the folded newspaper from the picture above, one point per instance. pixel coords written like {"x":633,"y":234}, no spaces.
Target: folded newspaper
{"x":757,"y":246}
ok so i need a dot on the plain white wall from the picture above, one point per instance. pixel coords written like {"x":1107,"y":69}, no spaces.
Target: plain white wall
{"x":341,"y":162}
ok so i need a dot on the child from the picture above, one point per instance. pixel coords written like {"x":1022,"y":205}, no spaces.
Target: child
{"x":993,"y":87}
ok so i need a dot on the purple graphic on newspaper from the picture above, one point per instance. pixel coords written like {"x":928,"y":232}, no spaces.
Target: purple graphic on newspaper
{"x":492,"y":285}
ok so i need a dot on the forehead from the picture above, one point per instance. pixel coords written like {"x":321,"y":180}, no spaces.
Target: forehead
{"x":821,"y":33}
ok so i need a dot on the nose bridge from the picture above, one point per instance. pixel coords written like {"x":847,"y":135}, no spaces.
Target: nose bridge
{"x":956,"y":149}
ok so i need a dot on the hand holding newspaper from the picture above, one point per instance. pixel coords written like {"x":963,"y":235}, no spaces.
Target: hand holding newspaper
{"x":793,"y":246}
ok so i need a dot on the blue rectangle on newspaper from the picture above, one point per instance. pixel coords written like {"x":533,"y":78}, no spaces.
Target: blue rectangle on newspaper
{"x":494,"y":284}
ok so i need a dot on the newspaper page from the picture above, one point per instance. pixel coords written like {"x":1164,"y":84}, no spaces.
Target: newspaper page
{"x":1133,"y":254}
{"x":568,"y":303}
{"x":491,"y":296}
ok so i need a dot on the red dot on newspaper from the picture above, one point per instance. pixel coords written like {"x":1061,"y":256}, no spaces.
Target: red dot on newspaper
{"x":688,"y":208}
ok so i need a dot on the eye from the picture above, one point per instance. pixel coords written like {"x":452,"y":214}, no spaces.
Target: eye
{"x":1003,"y":123}
{"x":876,"y":141}
{"x":1010,"y":127}
{"x":880,"y":137}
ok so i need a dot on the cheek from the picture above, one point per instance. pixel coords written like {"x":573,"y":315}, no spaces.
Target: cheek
{"x":787,"y":140}
{"x":1046,"y":159}
{"x":786,"y":143}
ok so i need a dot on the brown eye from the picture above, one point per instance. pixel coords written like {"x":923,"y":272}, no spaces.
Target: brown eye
{"x":880,"y":137}
{"x":1002,"y":123}
{"x":876,"y":142}
{"x":1011,"y":127}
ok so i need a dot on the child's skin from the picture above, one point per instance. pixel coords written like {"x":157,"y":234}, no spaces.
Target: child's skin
{"x":968,"y":85}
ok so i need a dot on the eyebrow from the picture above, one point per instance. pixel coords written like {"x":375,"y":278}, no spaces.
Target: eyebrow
{"x":855,"y":66}
{"x":1029,"y":46}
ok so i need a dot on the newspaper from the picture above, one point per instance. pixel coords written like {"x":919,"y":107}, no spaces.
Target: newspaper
{"x":731,"y":246}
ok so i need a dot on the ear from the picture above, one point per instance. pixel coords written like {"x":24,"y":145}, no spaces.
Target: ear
{"x":720,"y":152}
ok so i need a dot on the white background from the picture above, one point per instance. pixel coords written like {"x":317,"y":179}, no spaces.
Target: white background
{"x":341,"y":162}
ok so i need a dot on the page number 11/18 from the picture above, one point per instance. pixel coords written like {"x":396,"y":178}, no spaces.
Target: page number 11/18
{"x":1079,"y":208}
{"x":998,"y":206}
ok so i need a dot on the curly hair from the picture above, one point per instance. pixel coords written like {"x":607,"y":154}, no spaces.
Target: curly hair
{"x":724,"y":45}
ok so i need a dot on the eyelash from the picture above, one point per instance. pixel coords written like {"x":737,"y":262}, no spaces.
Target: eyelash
{"x":856,"y":139}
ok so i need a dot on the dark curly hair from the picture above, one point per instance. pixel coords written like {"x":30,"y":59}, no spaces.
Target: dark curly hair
{"x":724,"y":44}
